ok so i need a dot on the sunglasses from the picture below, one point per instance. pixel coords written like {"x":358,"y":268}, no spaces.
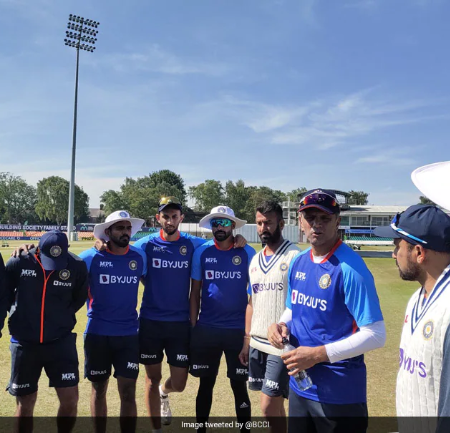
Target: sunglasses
{"x":224,"y":222}
{"x":320,"y":198}
{"x":169,"y":200}
{"x":394,"y":226}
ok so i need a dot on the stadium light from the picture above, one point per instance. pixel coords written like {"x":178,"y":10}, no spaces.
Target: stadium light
{"x":81,"y":35}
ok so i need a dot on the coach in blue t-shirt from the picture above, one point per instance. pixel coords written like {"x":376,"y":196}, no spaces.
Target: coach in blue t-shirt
{"x":219,"y":286}
{"x":111,"y":336}
{"x":333,"y":316}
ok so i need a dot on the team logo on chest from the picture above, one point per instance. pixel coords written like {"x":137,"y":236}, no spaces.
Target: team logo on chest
{"x":133,"y":265}
{"x":64,"y":274}
{"x":236,"y":260}
{"x":325,"y":281}
{"x":283,"y":267}
{"x":183,"y":250}
{"x":55,"y":251}
{"x":428,"y":329}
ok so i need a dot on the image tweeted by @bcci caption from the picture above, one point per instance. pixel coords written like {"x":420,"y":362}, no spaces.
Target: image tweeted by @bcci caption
{"x":231,"y":425}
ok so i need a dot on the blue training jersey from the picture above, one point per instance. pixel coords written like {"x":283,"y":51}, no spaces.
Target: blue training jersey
{"x":113,"y":291}
{"x":167,"y":284}
{"x":330,"y":301}
{"x":224,"y":276}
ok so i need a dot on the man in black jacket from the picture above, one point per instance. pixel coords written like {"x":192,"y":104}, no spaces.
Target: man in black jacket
{"x":42,"y":291}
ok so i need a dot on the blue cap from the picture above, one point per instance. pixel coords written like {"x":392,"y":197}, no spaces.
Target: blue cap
{"x":322,"y":199}
{"x":54,"y":250}
{"x":424,"y":225}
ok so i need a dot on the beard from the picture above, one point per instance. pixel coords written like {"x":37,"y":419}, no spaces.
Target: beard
{"x":411,"y":273}
{"x":221,"y":235}
{"x":121,"y":242}
{"x":171,"y":231}
{"x":271,"y":238}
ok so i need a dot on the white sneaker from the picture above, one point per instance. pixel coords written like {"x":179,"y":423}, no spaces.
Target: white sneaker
{"x":166,"y":413}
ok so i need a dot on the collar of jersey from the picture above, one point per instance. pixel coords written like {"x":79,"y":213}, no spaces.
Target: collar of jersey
{"x":327,"y":257}
{"x":161,"y":235}
{"x":422,"y":305}
{"x":267,"y":266}
{"x":114,"y":254}
{"x":217,"y":246}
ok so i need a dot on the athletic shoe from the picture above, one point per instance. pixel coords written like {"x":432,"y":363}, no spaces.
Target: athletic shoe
{"x":166,"y":413}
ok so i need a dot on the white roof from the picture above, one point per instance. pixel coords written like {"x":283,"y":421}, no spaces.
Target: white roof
{"x":382,"y":210}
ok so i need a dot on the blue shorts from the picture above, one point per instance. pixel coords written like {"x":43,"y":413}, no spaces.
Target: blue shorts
{"x":58,"y":358}
{"x":267,"y":373}
{"x":101,"y":352}
{"x":157,"y":336}
{"x":310,"y":416}
{"x":207,"y":346}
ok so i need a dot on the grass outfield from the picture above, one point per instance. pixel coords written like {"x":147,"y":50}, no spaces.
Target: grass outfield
{"x":381,"y":364}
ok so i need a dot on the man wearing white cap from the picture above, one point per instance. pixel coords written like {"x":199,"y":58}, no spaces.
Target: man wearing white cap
{"x":219,"y":284}
{"x":111,"y":336}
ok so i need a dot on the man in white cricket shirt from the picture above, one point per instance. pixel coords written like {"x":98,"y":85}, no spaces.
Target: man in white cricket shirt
{"x":267,"y":290}
{"x":422,"y":253}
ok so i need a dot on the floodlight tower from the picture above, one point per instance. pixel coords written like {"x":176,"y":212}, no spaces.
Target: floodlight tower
{"x":81,"y":34}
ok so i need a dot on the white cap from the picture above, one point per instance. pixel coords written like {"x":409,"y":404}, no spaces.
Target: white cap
{"x":118,"y":215}
{"x":221,"y":212}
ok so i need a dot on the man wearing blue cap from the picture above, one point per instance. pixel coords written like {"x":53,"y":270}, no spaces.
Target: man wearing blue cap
{"x":332,"y":317}
{"x":422,"y":253}
{"x":43,"y":291}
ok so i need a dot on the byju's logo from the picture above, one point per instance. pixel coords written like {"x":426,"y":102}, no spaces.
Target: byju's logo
{"x":411,"y":365}
{"x":156,"y":263}
{"x":209,"y":275}
{"x":104,"y":279}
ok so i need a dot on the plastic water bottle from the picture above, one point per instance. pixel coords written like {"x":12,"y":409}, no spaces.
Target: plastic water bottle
{"x":302,"y":378}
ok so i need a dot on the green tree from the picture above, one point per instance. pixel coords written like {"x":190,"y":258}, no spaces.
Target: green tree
{"x":426,"y":200}
{"x":236,"y":197}
{"x":53,"y":201}
{"x":207,"y":195}
{"x":294,"y":195}
{"x":358,"y":198}
{"x":141,"y":196}
{"x":17,"y":200}
{"x":257,"y":196}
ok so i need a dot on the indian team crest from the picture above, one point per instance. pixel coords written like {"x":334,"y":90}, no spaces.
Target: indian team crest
{"x":133,"y":265}
{"x":55,"y":251}
{"x":283,"y":267}
{"x":64,"y":274}
{"x":183,"y":250}
{"x":325,"y":281}
{"x":236,"y":260}
{"x":124,"y":214}
{"x":428,"y":330}
{"x":221,"y":209}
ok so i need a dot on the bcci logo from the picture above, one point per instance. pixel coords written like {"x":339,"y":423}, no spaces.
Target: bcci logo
{"x":183,"y":250}
{"x":236,"y":260}
{"x":428,"y":329}
{"x":283,"y":267}
{"x":325,"y":281}
{"x":222,"y":210}
{"x":55,"y":251}
{"x":124,"y":214}
{"x":133,"y":265}
{"x":64,"y":274}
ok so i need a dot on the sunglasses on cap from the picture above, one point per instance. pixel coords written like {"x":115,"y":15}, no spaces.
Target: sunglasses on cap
{"x":394,"y":226}
{"x":169,"y":200}
{"x":224,"y":222}
{"x":319,"y":198}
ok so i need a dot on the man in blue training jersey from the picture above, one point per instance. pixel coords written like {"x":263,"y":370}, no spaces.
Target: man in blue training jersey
{"x":111,"y":336}
{"x":164,"y":317}
{"x":333,"y":316}
{"x":219,"y":286}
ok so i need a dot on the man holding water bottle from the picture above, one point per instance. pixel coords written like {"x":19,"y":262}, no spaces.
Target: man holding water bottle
{"x":332,"y":318}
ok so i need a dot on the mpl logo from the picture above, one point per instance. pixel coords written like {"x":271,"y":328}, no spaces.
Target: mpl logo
{"x":104,"y":279}
{"x":210,"y":260}
{"x":241,"y":371}
{"x":271,"y":384}
{"x":158,"y":249}
{"x":182,"y":358}
{"x":106,"y":265}
{"x":28,"y":273}
{"x":300,"y":276}
{"x":133,"y":366}
{"x":68,"y":376}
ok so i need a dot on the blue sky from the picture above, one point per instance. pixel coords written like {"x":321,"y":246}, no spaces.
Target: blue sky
{"x":345,"y":94}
